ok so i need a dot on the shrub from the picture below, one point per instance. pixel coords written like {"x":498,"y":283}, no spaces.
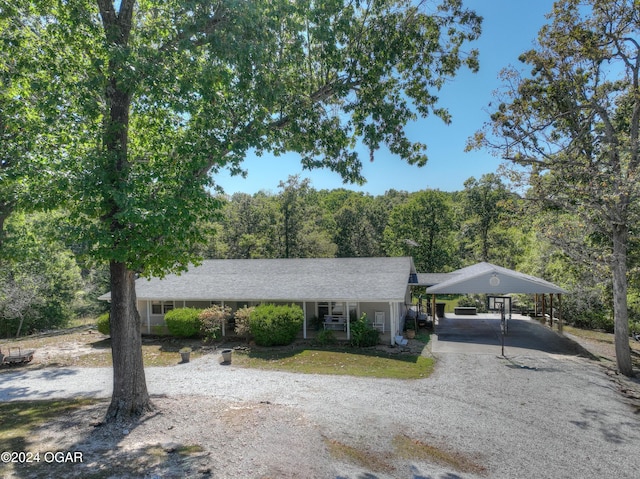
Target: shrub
{"x":183,"y":322}
{"x":273,"y":325}
{"x":363,"y":334}
{"x":211,"y":321}
{"x":104,"y":324}
{"x":326,"y":337}
{"x":478,"y":301}
{"x":242,"y":323}
{"x":585,"y":309}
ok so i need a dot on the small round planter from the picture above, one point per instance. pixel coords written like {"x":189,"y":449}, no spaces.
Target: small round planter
{"x":410,"y":333}
{"x":185,"y":355}
{"x":226,"y":355}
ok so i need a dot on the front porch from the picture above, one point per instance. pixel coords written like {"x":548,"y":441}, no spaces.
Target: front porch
{"x":334,"y":316}
{"x":341,"y":335}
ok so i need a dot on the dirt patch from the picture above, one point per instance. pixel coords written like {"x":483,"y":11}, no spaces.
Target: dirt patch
{"x":605,"y":352}
{"x":70,"y":349}
{"x":198,"y":437}
{"x":201,"y":437}
{"x":86,"y":347}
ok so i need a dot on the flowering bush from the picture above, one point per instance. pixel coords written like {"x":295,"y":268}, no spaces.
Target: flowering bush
{"x":211,"y":321}
{"x":242,"y":325}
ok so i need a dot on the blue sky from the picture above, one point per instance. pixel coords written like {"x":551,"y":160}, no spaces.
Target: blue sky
{"x":509,"y":28}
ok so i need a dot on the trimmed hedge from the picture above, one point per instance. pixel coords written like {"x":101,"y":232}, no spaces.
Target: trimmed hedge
{"x":183,"y":322}
{"x":273,"y":325}
{"x":104,"y":324}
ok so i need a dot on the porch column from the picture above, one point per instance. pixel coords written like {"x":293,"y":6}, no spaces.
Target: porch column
{"x":551,"y":310}
{"x":304,"y":323}
{"x":346,"y":318}
{"x":224,"y":332}
{"x":393,"y":328}
{"x":148,"y":317}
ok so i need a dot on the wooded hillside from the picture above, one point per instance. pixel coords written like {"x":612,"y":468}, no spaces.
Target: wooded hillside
{"x":47,"y":276}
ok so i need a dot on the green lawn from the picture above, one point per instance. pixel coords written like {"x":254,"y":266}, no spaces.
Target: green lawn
{"x":339,"y":362}
{"x":85,"y":348}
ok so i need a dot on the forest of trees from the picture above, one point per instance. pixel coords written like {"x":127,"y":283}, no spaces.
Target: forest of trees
{"x":47,"y":276}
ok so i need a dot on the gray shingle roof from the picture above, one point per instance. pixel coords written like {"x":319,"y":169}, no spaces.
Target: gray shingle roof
{"x":308,"y":279}
{"x":430,"y":279}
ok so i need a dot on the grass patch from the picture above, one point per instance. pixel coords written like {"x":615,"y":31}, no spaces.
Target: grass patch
{"x":187,"y":450}
{"x":423,"y":336}
{"x":590,"y":334}
{"x":600,"y":336}
{"x":366,"y":459}
{"x":82,"y":321}
{"x":413,"y":449}
{"x":339,"y":362}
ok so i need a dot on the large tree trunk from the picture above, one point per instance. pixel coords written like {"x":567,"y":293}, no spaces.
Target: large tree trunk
{"x":130,"y":396}
{"x":620,"y":312}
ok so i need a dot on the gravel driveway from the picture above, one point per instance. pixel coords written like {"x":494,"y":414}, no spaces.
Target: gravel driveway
{"x":530,"y":415}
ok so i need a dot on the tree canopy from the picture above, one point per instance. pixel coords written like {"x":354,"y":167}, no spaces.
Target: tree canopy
{"x":573,"y":124}
{"x":150,"y":99}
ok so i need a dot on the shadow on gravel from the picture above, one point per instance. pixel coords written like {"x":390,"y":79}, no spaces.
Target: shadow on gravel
{"x":95,"y":452}
{"x":53,"y":374}
{"x":612,"y":433}
{"x":101,"y":344}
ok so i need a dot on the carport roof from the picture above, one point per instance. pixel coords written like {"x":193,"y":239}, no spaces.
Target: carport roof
{"x":491,"y":279}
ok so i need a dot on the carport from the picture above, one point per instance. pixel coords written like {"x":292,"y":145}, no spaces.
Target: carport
{"x":487,"y":278}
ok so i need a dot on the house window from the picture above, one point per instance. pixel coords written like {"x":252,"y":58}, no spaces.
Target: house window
{"x":161,"y":307}
{"x":337,"y":309}
{"x":323,"y":310}
{"x":334,"y":309}
{"x":353,"y":312}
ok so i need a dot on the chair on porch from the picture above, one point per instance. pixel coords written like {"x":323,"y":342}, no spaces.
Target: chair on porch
{"x":378,"y":321}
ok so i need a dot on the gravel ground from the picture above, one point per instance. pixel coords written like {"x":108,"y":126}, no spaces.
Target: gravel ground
{"x":534,"y":415}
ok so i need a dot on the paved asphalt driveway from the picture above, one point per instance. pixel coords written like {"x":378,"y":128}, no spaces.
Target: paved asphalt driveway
{"x":481,"y":335}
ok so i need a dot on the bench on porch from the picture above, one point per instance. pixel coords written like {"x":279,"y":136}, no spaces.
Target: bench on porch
{"x":335,"y":323}
{"x":465,"y":310}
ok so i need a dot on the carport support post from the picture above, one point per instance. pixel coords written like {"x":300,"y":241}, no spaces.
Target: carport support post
{"x":559,"y":312}
{"x":433,"y":308}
